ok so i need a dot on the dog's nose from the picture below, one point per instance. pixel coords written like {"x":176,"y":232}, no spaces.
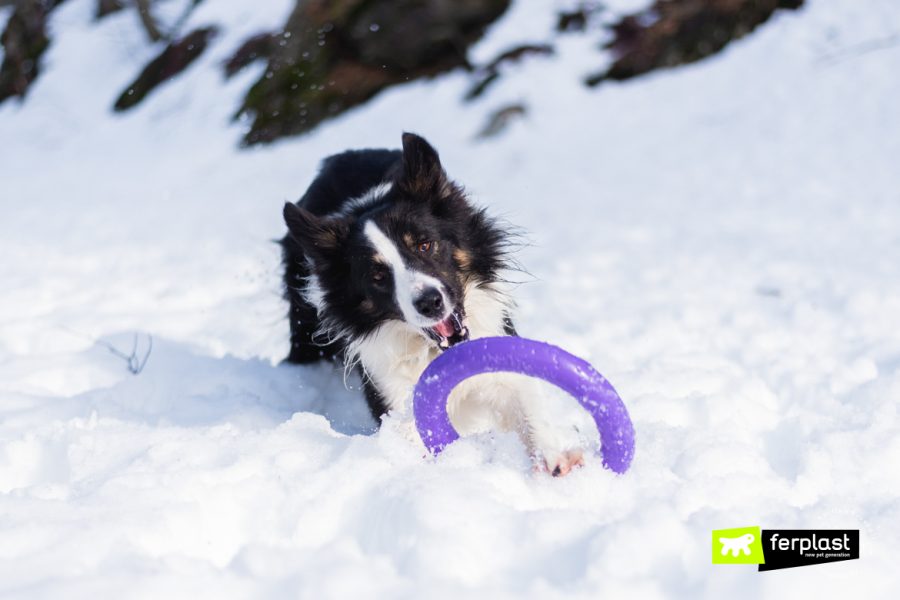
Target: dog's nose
{"x":430,"y":303}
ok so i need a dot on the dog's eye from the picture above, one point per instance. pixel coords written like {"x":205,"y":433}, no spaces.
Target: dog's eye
{"x":424,"y":247}
{"x":379,"y":275}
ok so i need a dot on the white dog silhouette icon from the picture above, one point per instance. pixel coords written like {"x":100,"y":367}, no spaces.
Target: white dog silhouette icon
{"x":738,"y":545}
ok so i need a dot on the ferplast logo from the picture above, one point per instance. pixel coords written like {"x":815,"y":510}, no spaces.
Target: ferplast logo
{"x":738,"y":546}
{"x":773,"y":549}
{"x":788,"y":548}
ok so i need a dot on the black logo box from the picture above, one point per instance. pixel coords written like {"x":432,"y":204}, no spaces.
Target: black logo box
{"x":787,"y":548}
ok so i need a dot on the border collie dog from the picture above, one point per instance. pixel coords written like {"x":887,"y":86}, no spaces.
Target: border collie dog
{"x":386,"y":265}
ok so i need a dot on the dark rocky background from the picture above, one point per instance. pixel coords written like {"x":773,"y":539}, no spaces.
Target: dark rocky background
{"x":332,"y":55}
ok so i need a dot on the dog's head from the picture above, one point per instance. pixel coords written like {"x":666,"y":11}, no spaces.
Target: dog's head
{"x":404,"y":252}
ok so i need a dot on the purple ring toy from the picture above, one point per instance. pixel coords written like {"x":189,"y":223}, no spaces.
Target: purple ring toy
{"x":528,"y":357}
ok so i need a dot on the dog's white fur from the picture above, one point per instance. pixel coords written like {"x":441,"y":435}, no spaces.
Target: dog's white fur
{"x":370,"y":196}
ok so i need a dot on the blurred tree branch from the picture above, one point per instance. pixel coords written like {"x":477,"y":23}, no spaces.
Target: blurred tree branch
{"x":151,"y":26}
{"x":108,"y":7}
{"x":24,"y":41}
{"x":891,"y":41}
{"x":147,"y":20}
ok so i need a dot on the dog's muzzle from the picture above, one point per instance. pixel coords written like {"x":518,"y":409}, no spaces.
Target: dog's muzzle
{"x":450,"y":331}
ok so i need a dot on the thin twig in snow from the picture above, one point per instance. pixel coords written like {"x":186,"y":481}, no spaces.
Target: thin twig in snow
{"x":861,"y":48}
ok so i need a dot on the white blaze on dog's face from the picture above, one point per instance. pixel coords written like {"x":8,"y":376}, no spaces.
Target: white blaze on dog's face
{"x":422,"y":299}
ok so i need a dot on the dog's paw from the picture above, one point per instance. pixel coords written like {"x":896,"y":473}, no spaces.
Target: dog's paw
{"x":561,"y":463}
{"x":556,"y":450}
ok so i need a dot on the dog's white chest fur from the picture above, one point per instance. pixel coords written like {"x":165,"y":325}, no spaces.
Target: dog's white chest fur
{"x":396,"y":354}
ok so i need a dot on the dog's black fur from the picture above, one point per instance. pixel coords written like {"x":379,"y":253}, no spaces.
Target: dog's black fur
{"x":427,"y":218}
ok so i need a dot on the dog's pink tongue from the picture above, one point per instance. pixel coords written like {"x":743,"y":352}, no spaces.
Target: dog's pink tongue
{"x":445,"y":328}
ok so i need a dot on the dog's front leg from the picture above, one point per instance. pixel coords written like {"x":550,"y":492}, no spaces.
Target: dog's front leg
{"x":554,"y":447}
{"x":509,"y":402}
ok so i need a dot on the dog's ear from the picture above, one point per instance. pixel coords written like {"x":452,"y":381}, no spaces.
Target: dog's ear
{"x":317,"y":236}
{"x":422,"y":172}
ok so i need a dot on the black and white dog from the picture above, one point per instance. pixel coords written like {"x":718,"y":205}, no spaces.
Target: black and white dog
{"x":387,"y":264}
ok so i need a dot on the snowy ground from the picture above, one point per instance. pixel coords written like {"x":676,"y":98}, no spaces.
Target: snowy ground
{"x":721,"y":241}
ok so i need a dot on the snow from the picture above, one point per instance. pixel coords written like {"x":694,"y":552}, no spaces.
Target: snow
{"x":719,"y":240}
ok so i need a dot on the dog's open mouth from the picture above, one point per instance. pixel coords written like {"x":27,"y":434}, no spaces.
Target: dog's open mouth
{"x":450,"y":331}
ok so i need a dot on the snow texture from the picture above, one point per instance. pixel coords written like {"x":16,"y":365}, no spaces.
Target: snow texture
{"x":720,"y":240}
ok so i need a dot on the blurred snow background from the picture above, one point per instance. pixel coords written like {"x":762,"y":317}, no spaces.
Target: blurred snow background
{"x":720,"y":240}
